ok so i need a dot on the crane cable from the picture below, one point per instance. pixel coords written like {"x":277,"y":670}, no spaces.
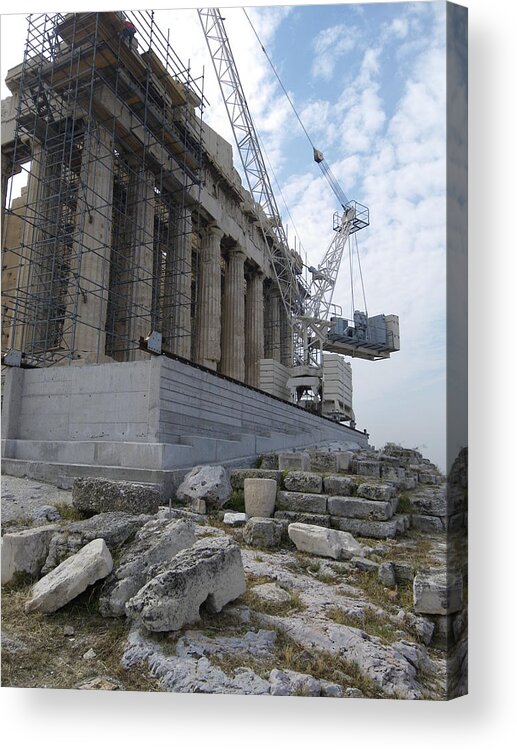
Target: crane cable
{"x":279,"y":80}
{"x":350,"y":251}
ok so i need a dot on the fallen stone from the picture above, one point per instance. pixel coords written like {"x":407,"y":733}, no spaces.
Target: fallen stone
{"x":271,"y":592}
{"x":294,"y":461}
{"x":73,"y":576}
{"x":198,"y":506}
{"x":287,"y":682}
{"x":156,"y":542}
{"x":386,"y":574}
{"x":314,"y":519}
{"x":68,"y":631}
{"x":210,"y":573}
{"x":259,"y":497}
{"x":89,"y":655}
{"x":303,"y":481}
{"x":353,"y":693}
{"x":341,"y":486}
{"x":237,"y":476}
{"x":103,"y":495}
{"x":352,"y":507}
{"x":235,"y":519}
{"x":437,"y":592}
{"x":317,"y":540}
{"x":115,"y":528}
{"x":372,"y":491}
{"x":25,"y":551}
{"x":265,"y":533}
{"x":208,"y":483}
{"x":361,"y":527}
{"x":301,"y":502}
{"x":330,"y":689}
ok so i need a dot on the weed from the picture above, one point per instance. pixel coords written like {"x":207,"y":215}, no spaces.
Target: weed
{"x":236,"y":502}
{"x":369,"y":621}
{"x":404,"y":505}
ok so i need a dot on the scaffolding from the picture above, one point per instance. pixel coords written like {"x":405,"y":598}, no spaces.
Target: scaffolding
{"x":103,"y":245}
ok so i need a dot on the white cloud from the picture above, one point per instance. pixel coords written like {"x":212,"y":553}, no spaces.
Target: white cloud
{"x":329,"y":46}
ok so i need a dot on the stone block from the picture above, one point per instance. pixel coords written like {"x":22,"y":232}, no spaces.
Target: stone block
{"x":314,"y":519}
{"x":301,"y":502}
{"x":365,"y":565}
{"x":259,"y":497}
{"x":353,"y":507}
{"x":210,"y":574}
{"x":265,"y":533}
{"x":373,"y":491}
{"x":386,"y":574}
{"x":389,"y":473}
{"x":25,"y":551}
{"x":404,"y":572}
{"x":269,"y":461}
{"x":271,"y":592}
{"x":294,"y":461}
{"x":115,"y":528}
{"x":372,"y":529}
{"x":316,"y":540}
{"x":302,"y":481}
{"x":368,"y":468}
{"x":343,"y":486}
{"x":73,"y":576}
{"x":156,"y":542}
{"x":437,"y":592}
{"x":103,"y":495}
{"x":428,"y":524}
{"x":235,"y":519}
{"x":208,"y":483}
{"x":237,"y":476}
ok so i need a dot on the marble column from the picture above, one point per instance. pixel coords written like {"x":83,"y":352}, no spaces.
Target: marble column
{"x":273,"y":324}
{"x":141,"y":292}
{"x":233,"y":338}
{"x":92,"y":248}
{"x":286,"y":338}
{"x":254,"y":327}
{"x":208,"y":344}
{"x":178,"y":286}
{"x":23,"y":313}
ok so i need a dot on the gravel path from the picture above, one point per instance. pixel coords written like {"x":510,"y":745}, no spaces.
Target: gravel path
{"x":21,"y":498}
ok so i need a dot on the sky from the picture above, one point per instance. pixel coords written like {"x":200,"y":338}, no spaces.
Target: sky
{"x":368,"y":82}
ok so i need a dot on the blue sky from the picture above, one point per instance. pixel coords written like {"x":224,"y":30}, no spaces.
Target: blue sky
{"x":369,"y":84}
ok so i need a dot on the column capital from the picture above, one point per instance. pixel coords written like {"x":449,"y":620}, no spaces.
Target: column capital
{"x":237,"y":252}
{"x":215,"y":231}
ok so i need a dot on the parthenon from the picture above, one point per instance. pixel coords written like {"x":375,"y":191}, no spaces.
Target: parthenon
{"x":134,"y":218}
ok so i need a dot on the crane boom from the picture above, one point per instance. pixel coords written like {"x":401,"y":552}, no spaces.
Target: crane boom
{"x":283,"y":261}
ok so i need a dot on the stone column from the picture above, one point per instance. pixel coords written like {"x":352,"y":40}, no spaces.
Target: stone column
{"x":286,"y":338}
{"x":254,"y":327}
{"x":22,"y":314}
{"x":273,"y":332}
{"x":177,"y":324}
{"x":92,"y":248}
{"x":141,"y":292}
{"x":208,"y":345}
{"x":232,"y":348}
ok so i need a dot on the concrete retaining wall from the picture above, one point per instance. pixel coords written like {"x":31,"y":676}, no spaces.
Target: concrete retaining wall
{"x":155,"y":416}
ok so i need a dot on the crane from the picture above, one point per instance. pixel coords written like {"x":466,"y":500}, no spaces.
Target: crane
{"x":308,"y":308}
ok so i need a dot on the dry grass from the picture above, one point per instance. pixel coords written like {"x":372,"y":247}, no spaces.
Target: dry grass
{"x":370,"y":622}
{"x":50,"y":659}
{"x":277,"y":609}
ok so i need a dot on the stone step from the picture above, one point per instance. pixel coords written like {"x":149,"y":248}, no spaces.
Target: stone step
{"x":131,"y":455}
{"x":374,"y":529}
{"x":355,"y":507}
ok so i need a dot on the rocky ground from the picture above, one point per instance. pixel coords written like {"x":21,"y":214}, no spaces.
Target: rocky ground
{"x":296,"y":624}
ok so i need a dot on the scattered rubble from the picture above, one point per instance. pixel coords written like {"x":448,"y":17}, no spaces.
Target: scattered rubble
{"x":315,"y":611}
